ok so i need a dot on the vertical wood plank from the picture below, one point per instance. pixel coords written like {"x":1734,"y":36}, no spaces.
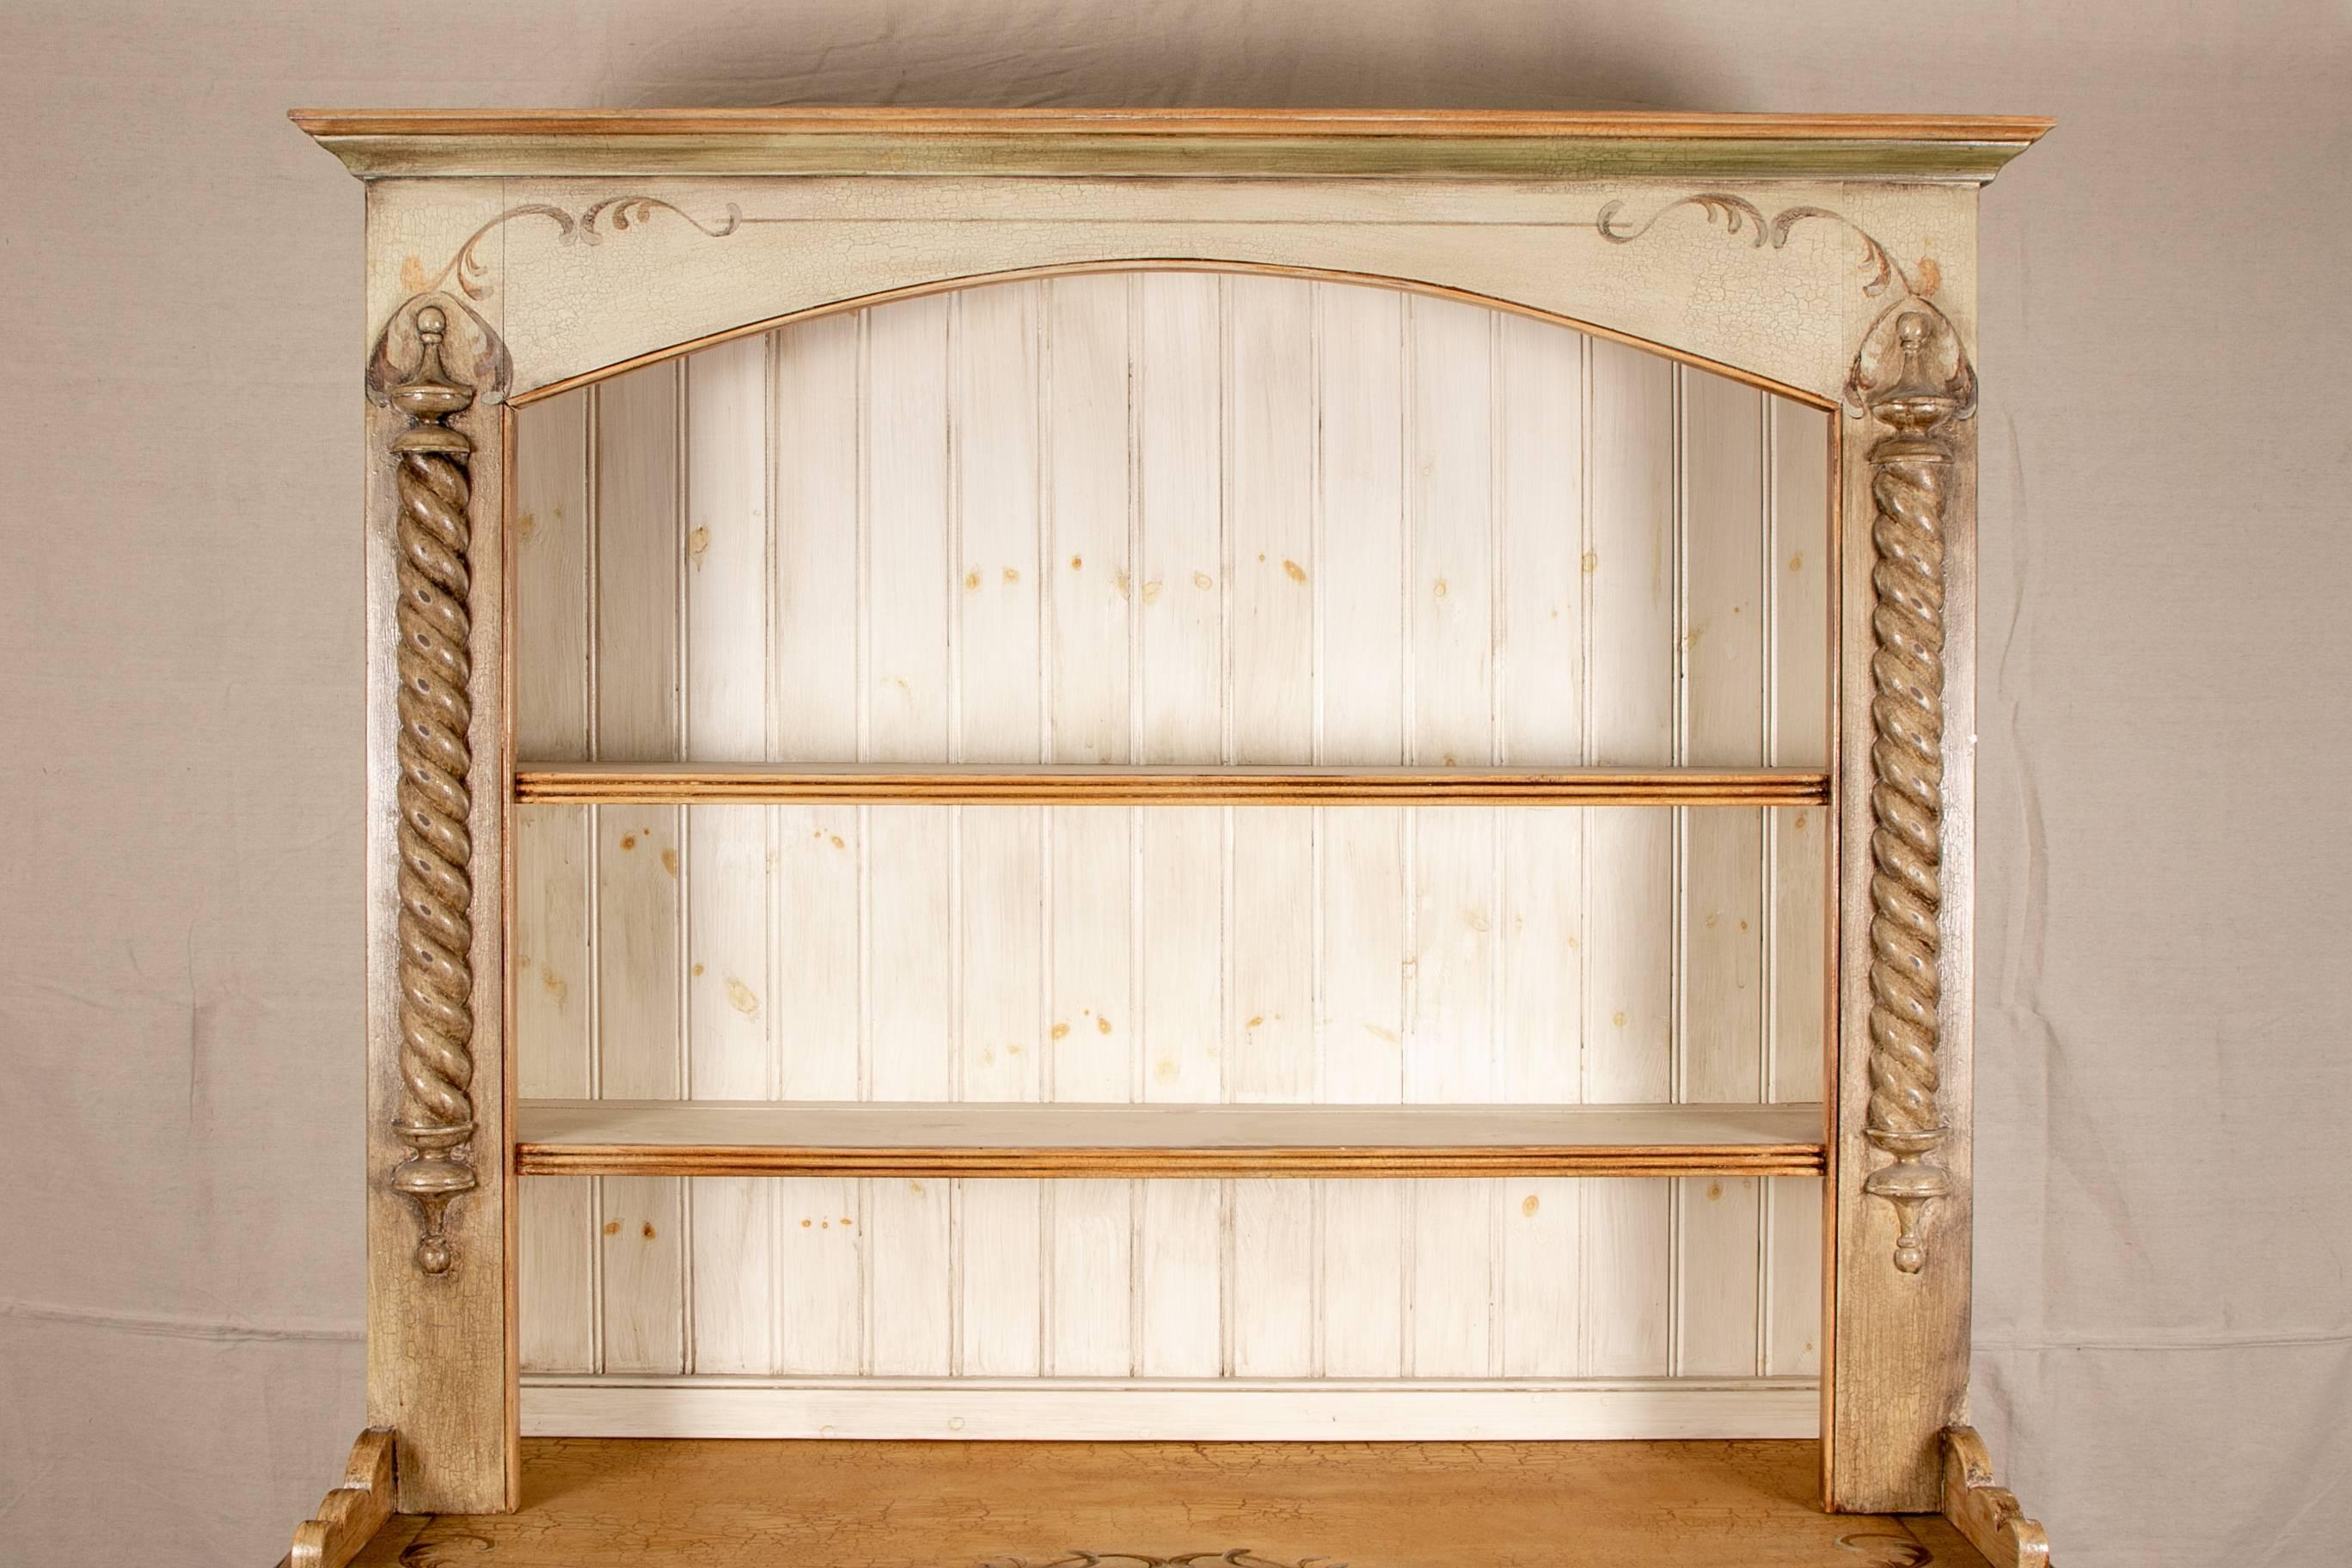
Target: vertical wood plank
{"x":1721,"y":661}
{"x":640,"y":543}
{"x":1358,"y":585}
{"x":1180,"y":902}
{"x":1089,"y":578}
{"x":911,"y":911}
{"x":1451,"y":537}
{"x":1000,"y":872}
{"x":1629,"y":855}
{"x":1269,"y":1022}
{"x":553,"y":962}
{"x":1797,"y":570}
{"x":728,"y":997}
{"x":816,"y":695}
{"x":1539,"y":420}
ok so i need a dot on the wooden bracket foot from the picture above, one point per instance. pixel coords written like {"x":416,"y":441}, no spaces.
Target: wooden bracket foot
{"x":1989,"y":1516}
{"x":353,"y":1511}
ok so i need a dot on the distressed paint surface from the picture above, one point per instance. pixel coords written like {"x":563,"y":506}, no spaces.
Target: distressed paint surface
{"x":1181,"y":517}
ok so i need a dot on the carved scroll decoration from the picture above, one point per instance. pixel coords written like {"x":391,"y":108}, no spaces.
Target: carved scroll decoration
{"x":1989,"y":1517}
{"x":1912,"y":472}
{"x":435,"y":663}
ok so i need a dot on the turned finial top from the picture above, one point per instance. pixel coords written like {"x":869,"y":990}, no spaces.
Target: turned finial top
{"x":431,"y":323}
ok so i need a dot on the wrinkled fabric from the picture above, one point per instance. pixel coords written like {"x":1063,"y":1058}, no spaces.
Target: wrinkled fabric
{"x":2161,"y":1305}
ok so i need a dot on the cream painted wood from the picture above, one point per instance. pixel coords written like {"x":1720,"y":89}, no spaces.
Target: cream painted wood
{"x":1188,"y":518}
{"x":608,"y":239}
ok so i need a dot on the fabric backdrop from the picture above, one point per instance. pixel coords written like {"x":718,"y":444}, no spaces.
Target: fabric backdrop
{"x":2161,"y":1344}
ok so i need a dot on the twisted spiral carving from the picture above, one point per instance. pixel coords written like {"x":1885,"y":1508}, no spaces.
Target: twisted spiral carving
{"x":1910,"y":473}
{"x":1905,"y":797}
{"x":436,"y":889}
{"x":435,"y":665}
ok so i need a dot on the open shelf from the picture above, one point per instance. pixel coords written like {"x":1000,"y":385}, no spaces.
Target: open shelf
{"x":739,"y":1138}
{"x":688,"y":784}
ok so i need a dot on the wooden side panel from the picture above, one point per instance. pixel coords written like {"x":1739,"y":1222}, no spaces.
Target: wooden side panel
{"x":1901,"y":1340}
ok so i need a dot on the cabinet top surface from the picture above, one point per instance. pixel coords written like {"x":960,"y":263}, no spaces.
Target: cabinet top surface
{"x":1227,"y":143}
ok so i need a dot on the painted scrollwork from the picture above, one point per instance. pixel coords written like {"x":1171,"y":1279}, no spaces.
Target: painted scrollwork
{"x":1911,"y":375}
{"x":437,"y":358}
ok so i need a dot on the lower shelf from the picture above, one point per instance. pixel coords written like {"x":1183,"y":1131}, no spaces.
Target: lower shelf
{"x":601,"y":1503}
{"x":723,"y":1138}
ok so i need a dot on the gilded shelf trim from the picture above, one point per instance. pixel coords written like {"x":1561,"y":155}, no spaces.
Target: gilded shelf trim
{"x":692,"y":785}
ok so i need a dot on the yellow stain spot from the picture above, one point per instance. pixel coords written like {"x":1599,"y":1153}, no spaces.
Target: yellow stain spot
{"x":808,"y":1225}
{"x":555,"y":985}
{"x":741,"y":997}
{"x":1618,"y":1019}
{"x":1164,"y":1070}
{"x":612,"y":1227}
{"x":1439,"y":588}
{"x":698,"y":969}
{"x":669,"y":861}
{"x":914,"y":1186}
{"x":1591,"y":561}
{"x":1713,"y":916}
{"x":1529,"y":1204}
{"x":628,"y":841}
{"x":1797,"y":562}
{"x":1801,"y":819}
{"x":1743,"y":925}
{"x":971,"y":580}
{"x":837,"y":843}
{"x":1202,"y":580}
{"x":1379,"y":1034}
{"x":1714,"y":1191}
{"x":1151,"y":591}
{"x":1061,"y":1031}
{"x":1011,"y":575}
{"x":1292,"y":569}
{"x":649,"y":1230}
{"x":525,"y":525}
{"x":1122,"y":583}
{"x":1256,"y":1022}
{"x":1076,"y":561}
{"x":1102,"y":1026}
{"x":1476,"y":920}
{"x":844,"y":1219}
{"x":695,"y":543}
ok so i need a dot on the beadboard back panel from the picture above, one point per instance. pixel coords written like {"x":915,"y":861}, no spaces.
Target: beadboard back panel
{"x":1169,"y":518}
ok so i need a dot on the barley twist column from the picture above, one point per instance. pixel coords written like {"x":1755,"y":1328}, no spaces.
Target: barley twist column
{"x":436,"y":753}
{"x":1910,"y":475}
